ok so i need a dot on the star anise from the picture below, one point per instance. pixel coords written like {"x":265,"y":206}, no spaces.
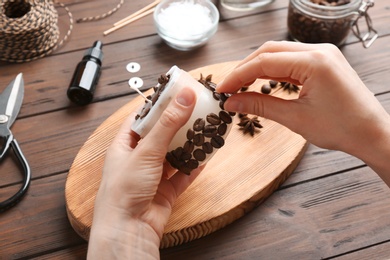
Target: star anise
{"x":287,"y":86}
{"x":249,"y":125}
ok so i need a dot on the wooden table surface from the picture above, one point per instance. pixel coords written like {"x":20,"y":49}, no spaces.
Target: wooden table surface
{"x":332,"y":207}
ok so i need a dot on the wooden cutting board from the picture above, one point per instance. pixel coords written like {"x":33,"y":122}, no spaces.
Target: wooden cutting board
{"x":238,"y":178}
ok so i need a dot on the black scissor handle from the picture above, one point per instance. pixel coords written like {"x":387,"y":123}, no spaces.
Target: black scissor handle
{"x":13,"y":200}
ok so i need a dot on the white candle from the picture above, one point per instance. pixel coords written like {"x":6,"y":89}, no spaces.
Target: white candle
{"x":207,"y":109}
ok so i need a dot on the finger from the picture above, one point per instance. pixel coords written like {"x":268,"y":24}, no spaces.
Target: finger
{"x":282,"y":46}
{"x":281,"y":54}
{"x":181,"y":182}
{"x":124,"y":135}
{"x":265,"y":106}
{"x":294,"y":67}
{"x":171,"y":120}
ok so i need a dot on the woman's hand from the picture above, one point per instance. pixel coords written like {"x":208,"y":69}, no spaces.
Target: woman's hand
{"x":135,"y":200}
{"x":334,"y":110}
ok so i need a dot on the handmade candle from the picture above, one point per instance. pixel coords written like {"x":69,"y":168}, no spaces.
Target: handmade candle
{"x":203,"y":134}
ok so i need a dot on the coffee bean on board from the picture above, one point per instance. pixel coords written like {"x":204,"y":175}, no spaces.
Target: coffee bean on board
{"x":266,"y":89}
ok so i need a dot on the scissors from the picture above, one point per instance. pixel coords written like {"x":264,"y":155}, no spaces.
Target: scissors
{"x":11,"y":100}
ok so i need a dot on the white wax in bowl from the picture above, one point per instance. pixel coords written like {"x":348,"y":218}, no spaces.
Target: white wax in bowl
{"x":205,"y":105}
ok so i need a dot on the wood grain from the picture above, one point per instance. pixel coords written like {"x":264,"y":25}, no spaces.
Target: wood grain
{"x":239,"y":177}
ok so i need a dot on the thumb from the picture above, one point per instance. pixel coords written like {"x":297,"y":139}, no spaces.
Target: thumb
{"x":171,"y":120}
{"x":265,"y":106}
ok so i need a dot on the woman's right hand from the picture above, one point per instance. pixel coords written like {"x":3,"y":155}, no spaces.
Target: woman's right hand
{"x":334,"y":110}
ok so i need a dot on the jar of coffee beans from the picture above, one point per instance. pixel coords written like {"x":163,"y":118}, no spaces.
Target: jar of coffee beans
{"x":329,"y":21}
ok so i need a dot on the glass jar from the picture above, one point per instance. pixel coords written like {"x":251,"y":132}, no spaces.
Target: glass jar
{"x":311,"y":21}
{"x":244,"y":5}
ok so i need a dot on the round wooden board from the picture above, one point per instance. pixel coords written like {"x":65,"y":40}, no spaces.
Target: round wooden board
{"x":239,"y":177}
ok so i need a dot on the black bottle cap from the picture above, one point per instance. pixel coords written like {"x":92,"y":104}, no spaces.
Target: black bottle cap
{"x":95,"y":51}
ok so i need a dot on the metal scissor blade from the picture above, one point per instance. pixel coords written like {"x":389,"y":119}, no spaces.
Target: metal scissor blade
{"x":12,"y":98}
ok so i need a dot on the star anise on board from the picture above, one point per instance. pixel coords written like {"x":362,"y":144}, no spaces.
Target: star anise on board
{"x":287,"y":86}
{"x":249,"y":125}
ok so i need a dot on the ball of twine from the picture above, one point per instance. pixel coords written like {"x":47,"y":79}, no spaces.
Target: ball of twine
{"x":29,"y":29}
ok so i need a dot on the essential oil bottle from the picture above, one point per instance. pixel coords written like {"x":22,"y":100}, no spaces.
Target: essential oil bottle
{"x":86,"y":75}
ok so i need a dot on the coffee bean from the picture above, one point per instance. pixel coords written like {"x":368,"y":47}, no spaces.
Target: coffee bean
{"x":216,"y":96}
{"x":169,"y":157}
{"x":310,"y":29}
{"x":210,"y":131}
{"x":188,"y":147}
{"x":199,"y":155}
{"x":222,"y":128}
{"x":207,"y":148}
{"x":144,"y":112}
{"x":185,"y":169}
{"x":213,"y":119}
{"x":273,"y":83}
{"x":178,"y":152}
{"x":225,"y":117}
{"x":174,"y":162}
{"x":266,"y":89}
{"x":211,"y":86}
{"x":199,"y":124}
{"x":232,"y":113}
{"x":222,"y":105}
{"x":185,"y":156}
{"x":163,"y":79}
{"x":198,"y":139}
{"x":190,"y":134}
{"x":224,"y":96}
{"x":192,"y":164}
{"x":217,"y":141}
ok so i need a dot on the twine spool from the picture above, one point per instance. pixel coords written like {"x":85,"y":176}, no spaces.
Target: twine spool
{"x":29,"y":29}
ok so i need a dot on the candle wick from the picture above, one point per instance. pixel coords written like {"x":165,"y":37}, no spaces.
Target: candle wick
{"x":142,"y":95}
{"x":135,"y":83}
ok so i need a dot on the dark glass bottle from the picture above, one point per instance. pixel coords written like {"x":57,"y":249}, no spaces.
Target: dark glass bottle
{"x":86,"y":75}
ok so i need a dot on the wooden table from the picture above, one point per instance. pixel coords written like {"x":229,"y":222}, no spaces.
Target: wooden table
{"x":332,"y":207}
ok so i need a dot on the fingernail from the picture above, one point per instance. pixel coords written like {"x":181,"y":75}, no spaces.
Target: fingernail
{"x":186,"y":97}
{"x":233,"y":105}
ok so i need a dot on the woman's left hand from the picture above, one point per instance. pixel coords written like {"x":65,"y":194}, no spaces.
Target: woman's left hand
{"x":135,"y":198}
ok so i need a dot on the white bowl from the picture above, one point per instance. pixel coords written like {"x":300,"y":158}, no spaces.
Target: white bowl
{"x":186,"y":24}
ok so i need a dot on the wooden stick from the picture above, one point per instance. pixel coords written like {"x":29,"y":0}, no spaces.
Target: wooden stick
{"x":156,"y":2}
{"x":127,"y":22}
